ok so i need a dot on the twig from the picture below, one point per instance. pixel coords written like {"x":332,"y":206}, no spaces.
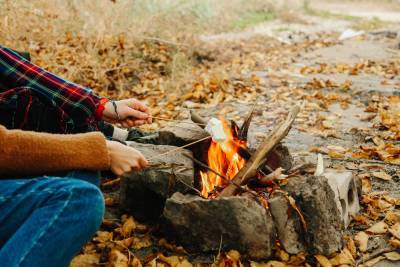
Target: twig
{"x":373,"y":255}
{"x":179,"y":148}
{"x":180,"y":121}
{"x":189,"y":186}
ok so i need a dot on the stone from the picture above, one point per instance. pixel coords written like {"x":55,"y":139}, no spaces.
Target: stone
{"x":287,"y":223}
{"x":316,"y":200}
{"x":208,"y":225}
{"x":180,"y":133}
{"x":344,"y":186}
{"x":143,"y":193}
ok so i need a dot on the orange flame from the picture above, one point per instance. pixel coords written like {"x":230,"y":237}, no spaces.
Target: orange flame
{"x":223,"y":157}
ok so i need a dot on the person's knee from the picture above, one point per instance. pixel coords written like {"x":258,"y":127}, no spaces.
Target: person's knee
{"x":86,"y":201}
{"x":91,"y":204}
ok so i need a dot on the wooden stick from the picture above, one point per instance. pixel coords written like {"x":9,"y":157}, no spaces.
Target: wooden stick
{"x":178,"y":148}
{"x":256,"y":160}
{"x":180,"y":121}
{"x":246,"y":124}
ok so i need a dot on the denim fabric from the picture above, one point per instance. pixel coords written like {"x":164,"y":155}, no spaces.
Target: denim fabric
{"x":45,"y":221}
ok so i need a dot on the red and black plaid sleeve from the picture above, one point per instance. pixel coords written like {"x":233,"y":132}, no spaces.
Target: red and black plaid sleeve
{"x":75,"y":100}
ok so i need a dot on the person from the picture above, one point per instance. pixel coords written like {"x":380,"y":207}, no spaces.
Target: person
{"x":52,"y":146}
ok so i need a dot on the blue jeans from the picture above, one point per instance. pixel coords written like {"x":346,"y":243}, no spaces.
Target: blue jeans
{"x":45,"y":221}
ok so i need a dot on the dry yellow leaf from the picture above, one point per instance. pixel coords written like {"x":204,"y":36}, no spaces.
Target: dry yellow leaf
{"x":85,"y":260}
{"x":135,"y":262}
{"x":382,"y":175}
{"x":361,"y":239}
{"x":142,"y":242}
{"x":366,"y":185}
{"x":393,"y":256}
{"x":128,"y":227}
{"x":392,"y":217}
{"x":103,"y":236}
{"x":174,"y":261}
{"x":351,"y":246}
{"x":378,"y":228}
{"x":394,"y":243}
{"x":395,"y":230}
{"x":374,"y":261}
{"x":344,"y":257}
{"x":323,"y":261}
{"x":117,"y":259}
{"x":233,"y":255}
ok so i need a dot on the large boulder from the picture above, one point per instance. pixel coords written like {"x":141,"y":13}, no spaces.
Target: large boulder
{"x":288,"y":224}
{"x":144,"y":193}
{"x":316,"y":200}
{"x":204,"y":225}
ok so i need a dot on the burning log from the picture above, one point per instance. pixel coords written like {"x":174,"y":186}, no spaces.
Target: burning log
{"x":249,"y":170}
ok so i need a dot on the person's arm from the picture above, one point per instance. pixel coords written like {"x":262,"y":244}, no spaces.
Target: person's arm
{"x":29,"y":153}
{"x":77,"y":101}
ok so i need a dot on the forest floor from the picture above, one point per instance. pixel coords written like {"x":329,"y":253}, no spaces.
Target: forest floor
{"x":348,"y":90}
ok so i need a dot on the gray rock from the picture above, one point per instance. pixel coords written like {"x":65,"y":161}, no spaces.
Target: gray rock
{"x":144,"y":193}
{"x":316,"y":200}
{"x":287,"y":223}
{"x":180,"y":133}
{"x":203,"y":225}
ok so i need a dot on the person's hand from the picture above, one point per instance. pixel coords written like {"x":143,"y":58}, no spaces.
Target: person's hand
{"x":131,"y":113}
{"x":124,"y":158}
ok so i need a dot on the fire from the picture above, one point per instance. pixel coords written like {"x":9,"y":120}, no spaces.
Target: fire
{"x":224,"y":158}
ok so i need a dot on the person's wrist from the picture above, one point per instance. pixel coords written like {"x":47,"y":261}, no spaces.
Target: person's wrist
{"x":101,"y":107}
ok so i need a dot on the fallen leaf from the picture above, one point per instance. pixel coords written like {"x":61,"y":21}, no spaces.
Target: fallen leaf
{"x":103,"y":236}
{"x":344,"y":257}
{"x":142,"y":242}
{"x":382,"y":175}
{"x":323,"y":261}
{"x":117,"y":259}
{"x":393,"y":256}
{"x":268,"y":264}
{"x":351,"y":246}
{"x":366,"y":185}
{"x":361,"y":239}
{"x":395,"y":230}
{"x":128,"y":227}
{"x":374,"y":261}
{"x":392,"y":217}
{"x":174,"y":261}
{"x":85,"y":260}
{"x":378,"y":228}
{"x":394,"y":243}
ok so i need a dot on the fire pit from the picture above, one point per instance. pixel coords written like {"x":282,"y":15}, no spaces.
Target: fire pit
{"x":221,"y":195}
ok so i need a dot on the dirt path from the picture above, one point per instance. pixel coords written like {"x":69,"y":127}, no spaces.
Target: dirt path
{"x":337,"y":85}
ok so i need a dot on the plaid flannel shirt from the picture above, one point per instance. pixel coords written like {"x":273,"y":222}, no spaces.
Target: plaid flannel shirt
{"x":77,"y":104}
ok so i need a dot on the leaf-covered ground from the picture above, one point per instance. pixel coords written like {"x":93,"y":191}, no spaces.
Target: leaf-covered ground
{"x":350,"y":112}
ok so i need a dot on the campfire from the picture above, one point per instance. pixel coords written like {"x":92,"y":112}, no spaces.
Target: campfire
{"x":223,"y":158}
{"x":221,"y":194}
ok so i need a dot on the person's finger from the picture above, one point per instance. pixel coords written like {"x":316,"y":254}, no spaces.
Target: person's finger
{"x":139,"y":122}
{"x":129,"y":112}
{"x":143,"y":162}
{"x":124,"y":124}
{"x":136,"y":104}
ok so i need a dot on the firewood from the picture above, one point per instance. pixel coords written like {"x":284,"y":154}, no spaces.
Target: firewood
{"x":258,"y":158}
{"x":197,"y":119}
{"x":245,"y":126}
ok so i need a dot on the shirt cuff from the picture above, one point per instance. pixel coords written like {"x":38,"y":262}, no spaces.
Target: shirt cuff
{"x":100,"y":108}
